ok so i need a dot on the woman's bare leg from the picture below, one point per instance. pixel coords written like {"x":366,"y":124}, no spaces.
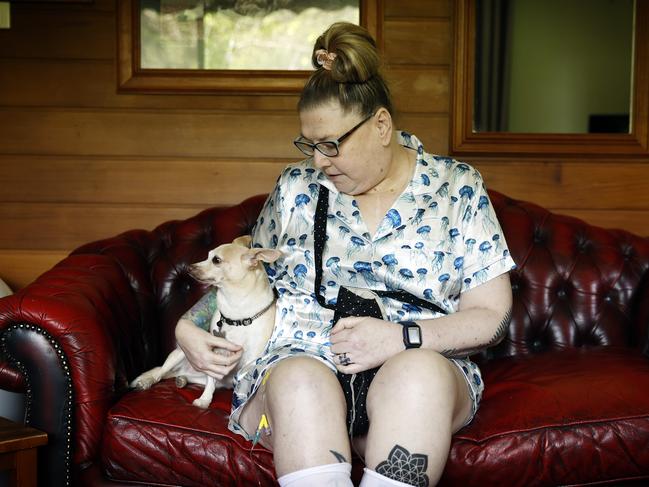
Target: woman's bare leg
{"x":306,"y":409}
{"x":417,"y":400}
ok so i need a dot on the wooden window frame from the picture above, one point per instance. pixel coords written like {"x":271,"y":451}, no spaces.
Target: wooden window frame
{"x":465,"y":142}
{"x":131,"y":77}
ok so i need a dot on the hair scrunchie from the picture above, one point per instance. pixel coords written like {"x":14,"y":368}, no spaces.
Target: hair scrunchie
{"x":325,"y":58}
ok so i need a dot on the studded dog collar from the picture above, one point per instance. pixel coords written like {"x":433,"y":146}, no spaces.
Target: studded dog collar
{"x":244,"y":321}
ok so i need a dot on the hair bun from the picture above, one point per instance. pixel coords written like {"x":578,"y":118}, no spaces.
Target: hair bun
{"x":353,"y":53}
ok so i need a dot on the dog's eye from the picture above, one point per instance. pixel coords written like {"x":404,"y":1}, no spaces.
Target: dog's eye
{"x":216,"y":260}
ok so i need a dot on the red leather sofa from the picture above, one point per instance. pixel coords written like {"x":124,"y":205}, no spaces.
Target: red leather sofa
{"x":567,"y":392}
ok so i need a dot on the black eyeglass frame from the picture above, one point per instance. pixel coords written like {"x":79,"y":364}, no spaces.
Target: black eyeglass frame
{"x":309,"y":149}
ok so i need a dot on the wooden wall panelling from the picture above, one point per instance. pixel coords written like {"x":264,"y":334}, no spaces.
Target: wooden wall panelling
{"x":417,"y":8}
{"x":417,"y":41}
{"x":62,"y":32}
{"x":64,"y":226}
{"x":175,"y":133}
{"x":571,"y":184}
{"x":90,"y":83}
{"x":26,"y":7}
{"x":629,"y":220}
{"x":20,"y":267}
{"x":418,"y":89}
{"x":431,"y":129}
{"x":134,"y":181}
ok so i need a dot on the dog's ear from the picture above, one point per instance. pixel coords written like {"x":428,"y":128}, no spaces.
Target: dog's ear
{"x":256,"y":255}
{"x":243,"y":240}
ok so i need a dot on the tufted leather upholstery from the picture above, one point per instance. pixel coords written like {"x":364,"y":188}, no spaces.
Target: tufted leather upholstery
{"x":565,"y":400}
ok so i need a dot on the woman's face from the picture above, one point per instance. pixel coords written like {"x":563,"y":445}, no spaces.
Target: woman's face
{"x":362,"y":161}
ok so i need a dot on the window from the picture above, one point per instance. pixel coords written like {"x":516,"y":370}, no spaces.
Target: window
{"x":226,"y":45}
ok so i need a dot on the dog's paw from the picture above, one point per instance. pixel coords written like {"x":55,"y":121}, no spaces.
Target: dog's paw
{"x":202,"y":403}
{"x":143,"y":383}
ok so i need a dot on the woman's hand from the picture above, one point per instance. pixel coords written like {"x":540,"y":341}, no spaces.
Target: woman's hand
{"x":366,"y":342}
{"x":207,"y":353}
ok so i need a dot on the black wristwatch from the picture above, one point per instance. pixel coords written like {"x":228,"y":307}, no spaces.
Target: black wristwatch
{"x":411,"y":334}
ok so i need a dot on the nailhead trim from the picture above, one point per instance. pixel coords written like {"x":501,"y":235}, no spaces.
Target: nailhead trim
{"x":69,"y":403}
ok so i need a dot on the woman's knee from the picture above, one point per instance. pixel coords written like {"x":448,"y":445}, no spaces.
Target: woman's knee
{"x":306,"y":410}
{"x":301,"y":381}
{"x":414,"y":374}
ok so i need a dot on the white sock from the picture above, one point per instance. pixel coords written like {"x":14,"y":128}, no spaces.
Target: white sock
{"x":373,"y":479}
{"x":332,"y":475}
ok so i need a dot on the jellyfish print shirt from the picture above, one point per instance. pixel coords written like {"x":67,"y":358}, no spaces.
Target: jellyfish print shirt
{"x":440,"y":239}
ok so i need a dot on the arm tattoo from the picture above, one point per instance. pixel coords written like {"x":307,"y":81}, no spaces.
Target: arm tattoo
{"x":201,"y":313}
{"x":405,"y":467}
{"x":340,"y":457}
{"x":500,"y":333}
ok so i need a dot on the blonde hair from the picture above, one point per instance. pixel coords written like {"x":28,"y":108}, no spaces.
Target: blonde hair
{"x":353,"y":78}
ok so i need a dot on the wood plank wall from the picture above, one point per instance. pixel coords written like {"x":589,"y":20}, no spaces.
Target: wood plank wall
{"x":80,"y":162}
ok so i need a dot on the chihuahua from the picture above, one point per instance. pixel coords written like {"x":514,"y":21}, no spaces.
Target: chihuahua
{"x":245,"y":314}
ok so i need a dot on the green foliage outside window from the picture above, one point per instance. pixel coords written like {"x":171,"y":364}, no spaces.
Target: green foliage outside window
{"x":236,"y":34}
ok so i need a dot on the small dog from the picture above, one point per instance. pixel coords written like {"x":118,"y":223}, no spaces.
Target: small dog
{"x":245,"y":314}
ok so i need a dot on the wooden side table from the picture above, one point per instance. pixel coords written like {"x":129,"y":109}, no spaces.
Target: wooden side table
{"x":18,"y":446}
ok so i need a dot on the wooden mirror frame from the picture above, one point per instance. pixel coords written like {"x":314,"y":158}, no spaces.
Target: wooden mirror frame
{"x":131,"y":77}
{"x":464,"y":141}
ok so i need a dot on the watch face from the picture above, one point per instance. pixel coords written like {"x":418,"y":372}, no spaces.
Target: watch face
{"x":414,"y":335}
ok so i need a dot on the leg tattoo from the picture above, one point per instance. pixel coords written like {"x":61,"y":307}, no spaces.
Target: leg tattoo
{"x":405,"y":467}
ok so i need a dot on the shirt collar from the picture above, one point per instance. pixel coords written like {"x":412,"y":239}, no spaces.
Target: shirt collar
{"x":409,"y":208}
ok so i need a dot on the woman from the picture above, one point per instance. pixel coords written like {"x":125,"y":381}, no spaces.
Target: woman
{"x":397,"y":219}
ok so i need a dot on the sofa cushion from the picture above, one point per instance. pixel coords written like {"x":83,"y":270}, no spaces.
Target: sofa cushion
{"x":158,"y":437}
{"x":556,"y":418}
{"x":574,"y":416}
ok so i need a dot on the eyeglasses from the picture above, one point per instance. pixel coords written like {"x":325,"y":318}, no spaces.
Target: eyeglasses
{"x":329,"y":148}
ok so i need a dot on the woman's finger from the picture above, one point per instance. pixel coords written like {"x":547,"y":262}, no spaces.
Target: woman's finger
{"x":222,"y":366}
{"x":229,"y":359}
{"x":347,"y":323}
{"x":344,"y":323}
{"x":338,"y":327}
{"x":350,"y":369}
{"x":340,"y":337}
{"x":223,"y":343}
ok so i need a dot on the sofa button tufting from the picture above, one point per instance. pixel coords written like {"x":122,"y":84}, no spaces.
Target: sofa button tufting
{"x":583,"y":245}
{"x":610,"y":297}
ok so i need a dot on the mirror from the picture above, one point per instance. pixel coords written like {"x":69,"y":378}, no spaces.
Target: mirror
{"x":553,"y":66}
{"x":565,"y":77}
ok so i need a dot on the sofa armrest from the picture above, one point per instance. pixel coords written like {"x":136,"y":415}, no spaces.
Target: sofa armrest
{"x":10,"y":377}
{"x":67,"y":333}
